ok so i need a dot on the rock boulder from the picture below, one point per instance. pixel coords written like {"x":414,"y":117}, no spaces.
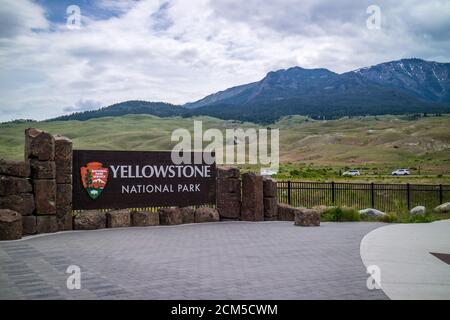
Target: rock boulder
{"x":144,"y":219}
{"x":188,"y":214}
{"x":170,"y":216}
{"x":418,"y":211}
{"x":286,"y":212}
{"x":307,"y":217}
{"x":10,"y":225}
{"x":205,"y":214}
{"x":118,"y":219}
{"x":371,"y":213}
{"x":443,"y":208}
{"x":90,"y":220}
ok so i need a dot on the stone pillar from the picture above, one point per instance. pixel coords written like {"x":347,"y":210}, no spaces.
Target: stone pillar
{"x":39,"y":145}
{"x":16,"y":196}
{"x":63,"y":161}
{"x":270,"y":200}
{"x":252,"y":208}
{"x":228,"y":195}
{"x":40,"y":152}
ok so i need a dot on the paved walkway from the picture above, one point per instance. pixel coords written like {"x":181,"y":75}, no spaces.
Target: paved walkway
{"x":227,"y":260}
{"x":403,"y":254}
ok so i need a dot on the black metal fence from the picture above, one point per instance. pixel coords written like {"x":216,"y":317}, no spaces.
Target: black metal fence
{"x":385,"y":197}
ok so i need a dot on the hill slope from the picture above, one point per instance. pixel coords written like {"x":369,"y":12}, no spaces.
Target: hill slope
{"x":385,"y":139}
{"x":347,"y":95}
{"x":159,"y":109}
{"x":397,"y":87}
{"x":417,"y":79}
{"x":426,"y":80}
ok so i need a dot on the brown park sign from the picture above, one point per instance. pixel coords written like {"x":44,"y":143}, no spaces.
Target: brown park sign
{"x":133,"y":179}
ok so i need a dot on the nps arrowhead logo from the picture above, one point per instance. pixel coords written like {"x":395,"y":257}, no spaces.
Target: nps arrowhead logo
{"x":94,"y":178}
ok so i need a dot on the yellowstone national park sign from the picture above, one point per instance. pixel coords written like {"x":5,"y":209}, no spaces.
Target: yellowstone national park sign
{"x":127,"y":179}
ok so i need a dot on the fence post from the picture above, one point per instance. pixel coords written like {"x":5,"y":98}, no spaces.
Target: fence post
{"x":333,"y":193}
{"x":441,"y":195}
{"x":408,"y":195}
{"x":289,"y":192}
{"x":372,"y":194}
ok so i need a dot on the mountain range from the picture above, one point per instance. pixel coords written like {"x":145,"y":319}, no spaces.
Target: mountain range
{"x":396,"y":87}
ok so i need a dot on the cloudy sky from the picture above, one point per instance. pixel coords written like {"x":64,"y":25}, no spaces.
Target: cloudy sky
{"x":179,"y":51}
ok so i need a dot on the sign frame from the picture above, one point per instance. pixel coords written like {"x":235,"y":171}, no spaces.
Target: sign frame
{"x":139,"y":179}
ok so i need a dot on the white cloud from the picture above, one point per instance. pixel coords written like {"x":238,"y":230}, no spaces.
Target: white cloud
{"x":179,"y":51}
{"x":17,"y":17}
{"x":116,"y":5}
{"x":83,"y":105}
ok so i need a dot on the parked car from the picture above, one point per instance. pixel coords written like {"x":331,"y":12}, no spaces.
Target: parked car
{"x":401,"y":172}
{"x":268,"y":172}
{"x":352,"y":173}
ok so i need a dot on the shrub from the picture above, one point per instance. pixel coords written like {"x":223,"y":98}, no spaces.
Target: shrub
{"x":340,"y":214}
{"x":421,"y":219}
{"x":389,"y":218}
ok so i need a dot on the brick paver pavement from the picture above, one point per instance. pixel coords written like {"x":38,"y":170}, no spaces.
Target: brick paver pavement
{"x":227,"y":260}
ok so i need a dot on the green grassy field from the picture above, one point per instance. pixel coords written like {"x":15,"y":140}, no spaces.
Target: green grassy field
{"x":310,"y":150}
